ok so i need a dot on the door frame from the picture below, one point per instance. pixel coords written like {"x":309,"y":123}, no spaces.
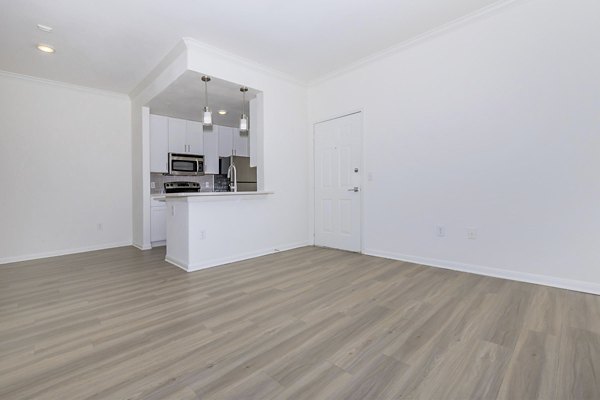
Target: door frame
{"x":313,"y":195}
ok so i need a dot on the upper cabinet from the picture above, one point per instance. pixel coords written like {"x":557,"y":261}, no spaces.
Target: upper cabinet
{"x":177,"y":143}
{"x":159,"y":143}
{"x":173,"y":135}
{"x":185,"y":136}
{"x":194,"y":137}
{"x":211,"y":149}
{"x":241,"y":143}
{"x":231,"y":141}
{"x":225,"y":140}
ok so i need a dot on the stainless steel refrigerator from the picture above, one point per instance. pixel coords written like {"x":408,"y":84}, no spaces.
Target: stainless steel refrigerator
{"x":246,"y":175}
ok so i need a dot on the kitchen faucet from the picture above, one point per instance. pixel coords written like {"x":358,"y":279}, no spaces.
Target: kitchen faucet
{"x":232,"y":176}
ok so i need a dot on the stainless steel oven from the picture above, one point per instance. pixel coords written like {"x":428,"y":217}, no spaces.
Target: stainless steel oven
{"x":186,"y":164}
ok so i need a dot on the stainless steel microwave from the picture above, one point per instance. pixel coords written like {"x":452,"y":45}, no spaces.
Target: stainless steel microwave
{"x":186,"y":164}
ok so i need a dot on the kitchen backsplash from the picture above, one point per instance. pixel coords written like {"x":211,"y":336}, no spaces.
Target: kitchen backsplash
{"x":221,"y":183}
{"x":207,"y":182}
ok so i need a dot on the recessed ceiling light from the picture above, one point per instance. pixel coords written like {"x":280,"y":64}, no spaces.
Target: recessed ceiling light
{"x":45,"y":48}
{"x":222,"y":112}
{"x":44,"y":28}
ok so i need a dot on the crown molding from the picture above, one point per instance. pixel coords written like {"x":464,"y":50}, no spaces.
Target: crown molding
{"x":416,"y":40}
{"x":192,"y":43}
{"x":86,"y":89}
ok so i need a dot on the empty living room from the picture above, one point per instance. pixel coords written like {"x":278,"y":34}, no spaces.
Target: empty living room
{"x":328,"y":200}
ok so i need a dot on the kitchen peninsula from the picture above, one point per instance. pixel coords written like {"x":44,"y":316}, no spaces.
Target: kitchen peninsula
{"x":213,"y":228}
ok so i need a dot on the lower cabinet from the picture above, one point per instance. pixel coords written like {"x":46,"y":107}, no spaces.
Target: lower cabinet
{"x":158,"y":222}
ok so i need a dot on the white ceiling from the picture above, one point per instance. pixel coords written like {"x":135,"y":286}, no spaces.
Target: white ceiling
{"x":114,"y":44}
{"x":184,"y":98}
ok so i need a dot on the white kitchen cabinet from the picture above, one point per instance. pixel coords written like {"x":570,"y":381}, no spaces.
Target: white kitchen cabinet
{"x":158,"y":222}
{"x":177,"y":136}
{"x":225,"y":141}
{"x":159,"y":143}
{"x":211,"y":150}
{"x":174,"y":135}
{"x":194,"y":137}
{"x":241,"y":143}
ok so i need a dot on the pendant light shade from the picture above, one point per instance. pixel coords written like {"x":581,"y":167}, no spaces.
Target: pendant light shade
{"x":244,"y":123}
{"x":207,"y":117}
{"x":207,"y":114}
{"x":244,"y":118}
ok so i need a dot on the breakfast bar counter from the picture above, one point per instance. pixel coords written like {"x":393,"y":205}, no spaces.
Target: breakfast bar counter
{"x":207,"y":229}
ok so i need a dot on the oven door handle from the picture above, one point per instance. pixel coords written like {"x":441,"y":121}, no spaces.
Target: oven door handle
{"x":198,"y":166}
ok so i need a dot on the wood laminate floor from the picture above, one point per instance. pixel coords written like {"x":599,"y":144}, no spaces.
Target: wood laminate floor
{"x":304,"y":324}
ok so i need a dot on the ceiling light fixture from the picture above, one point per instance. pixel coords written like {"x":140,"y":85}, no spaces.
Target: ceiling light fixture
{"x":45,"y":48}
{"x":244,"y":118}
{"x":222,"y":112}
{"x":207,"y":114}
{"x":44,"y":28}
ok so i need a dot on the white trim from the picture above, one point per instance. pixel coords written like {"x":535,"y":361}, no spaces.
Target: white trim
{"x":14,"y":75}
{"x":415,"y":40}
{"x":337,"y":116}
{"x":231,"y":259}
{"x":141,"y":247}
{"x":55,"y":253}
{"x":176,"y":262}
{"x":545,"y":280}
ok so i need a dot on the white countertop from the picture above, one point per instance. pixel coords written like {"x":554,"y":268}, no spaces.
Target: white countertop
{"x":214,"y":194}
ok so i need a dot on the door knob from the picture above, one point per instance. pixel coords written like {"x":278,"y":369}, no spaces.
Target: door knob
{"x":354,"y":189}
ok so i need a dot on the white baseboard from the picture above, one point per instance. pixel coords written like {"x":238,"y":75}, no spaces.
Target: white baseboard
{"x":176,"y":262}
{"x":234,"y":258}
{"x":562,"y":283}
{"x":141,"y":247}
{"x":63,"y":252}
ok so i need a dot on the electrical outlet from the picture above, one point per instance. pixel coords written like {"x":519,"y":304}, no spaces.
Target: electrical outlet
{"x":202,"y":235}
{"x":472,"y":233}
{"x":440,"y":231}
{"x":152,"y":185}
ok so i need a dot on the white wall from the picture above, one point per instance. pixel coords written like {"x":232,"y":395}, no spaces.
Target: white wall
{"x":492,"y":125}
{"x":284,"y":143}
{"x":284,"y":146}
{"x":65,"y":157}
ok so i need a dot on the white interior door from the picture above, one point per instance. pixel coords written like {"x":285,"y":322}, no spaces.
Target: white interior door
{"x":338,"y":167}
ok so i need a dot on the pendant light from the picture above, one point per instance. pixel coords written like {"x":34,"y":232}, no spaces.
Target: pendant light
{"x":244,"y":118}
{"x":207,"y":114}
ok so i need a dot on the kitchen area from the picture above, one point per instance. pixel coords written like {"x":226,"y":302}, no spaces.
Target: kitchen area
{"x":201,"y":144}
